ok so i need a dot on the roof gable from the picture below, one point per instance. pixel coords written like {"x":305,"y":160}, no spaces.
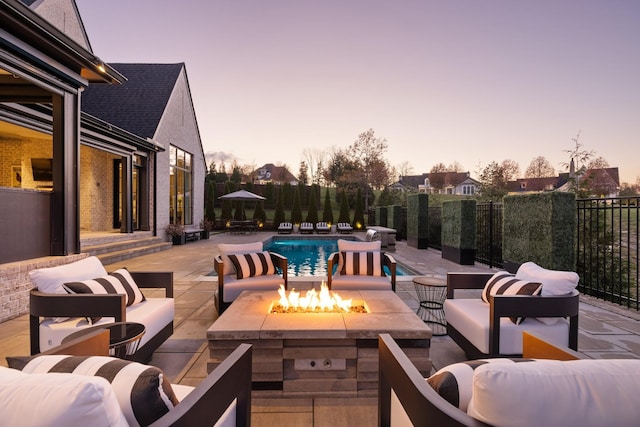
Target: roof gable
{"x":139,"y":103}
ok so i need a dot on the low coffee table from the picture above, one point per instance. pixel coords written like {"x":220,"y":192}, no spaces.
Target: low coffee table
{"x":318,"y":354}
{"x":124,"y":337}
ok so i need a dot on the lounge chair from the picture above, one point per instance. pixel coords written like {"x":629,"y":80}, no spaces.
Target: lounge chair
{"x":306,"y":228}
{"x":344,"y":227}
{"x":285,"y":228}
{"x":366,"y":273}
{"x":322,"y":227}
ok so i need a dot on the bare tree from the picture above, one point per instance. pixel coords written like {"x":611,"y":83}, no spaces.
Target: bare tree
{"x":438,"y":167}
{"x":598,"y":163}
{"x":455,"y":167}
{"x":314,"y":158}
{"x":368,"y":150}
{"x":539,"y":168}
{"x":578,"y":154}
{"x":404,"y":169}
{"x":510,"y":170}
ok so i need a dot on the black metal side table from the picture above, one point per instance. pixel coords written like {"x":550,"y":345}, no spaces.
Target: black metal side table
{"x":432,"y":292}
{"x":124,"y":337}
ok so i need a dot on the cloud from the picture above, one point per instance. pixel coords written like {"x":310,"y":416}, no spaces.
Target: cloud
{"x":218,"y":157}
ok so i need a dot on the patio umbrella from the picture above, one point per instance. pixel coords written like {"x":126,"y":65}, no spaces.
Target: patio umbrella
{"x":241,"y":195}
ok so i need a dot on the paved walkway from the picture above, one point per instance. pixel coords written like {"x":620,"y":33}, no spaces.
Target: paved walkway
{"x":606,"y":330}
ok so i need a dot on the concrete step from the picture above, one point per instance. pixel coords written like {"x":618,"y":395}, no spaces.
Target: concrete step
{"x":106,"y":247}
{"x":124,"y":254}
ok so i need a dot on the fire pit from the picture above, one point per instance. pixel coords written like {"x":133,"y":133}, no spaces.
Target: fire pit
{"x":318,"y":354}
{"x":314,"y":302}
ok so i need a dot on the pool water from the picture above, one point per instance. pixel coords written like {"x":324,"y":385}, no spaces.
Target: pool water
{"x":308,"y":257}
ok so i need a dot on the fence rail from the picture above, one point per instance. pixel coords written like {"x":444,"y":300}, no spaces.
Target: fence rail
{"x":489,"y":234}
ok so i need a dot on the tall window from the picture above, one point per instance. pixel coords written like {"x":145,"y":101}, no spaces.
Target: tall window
{"x":181,"y":185}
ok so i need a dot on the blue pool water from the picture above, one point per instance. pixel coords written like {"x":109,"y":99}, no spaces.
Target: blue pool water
{"x":308,"y":257}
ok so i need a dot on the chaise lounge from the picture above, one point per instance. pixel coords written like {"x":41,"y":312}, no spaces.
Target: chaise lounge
{"x":306,"y":228}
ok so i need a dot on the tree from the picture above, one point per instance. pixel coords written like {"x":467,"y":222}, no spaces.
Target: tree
{"x":344,"y":208}
{"x":539,"y":168}
{"x":368,"y":151}
{"x":312,"y":212}
{"x":259,"y":213}
{"x":303,"y":176}
{"x":236,"y":174}
{"x":327,"y":211}
{"x":510,"y":170}
{"x":210,"y":213}
{"x":455,"y":167}
{"x":296,"y":210}
{"x":438,"y":167}
{"x":278,"y":216}
{"x":314,"y":158}
{"x":578,"y":155}
{"x":598,"y":163}
{"x":358,"y":215}
{"x":226,"y":205}
{"x":493,"y":182}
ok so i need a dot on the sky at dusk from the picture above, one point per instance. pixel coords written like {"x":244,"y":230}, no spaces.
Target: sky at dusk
{"x":442,"y":81}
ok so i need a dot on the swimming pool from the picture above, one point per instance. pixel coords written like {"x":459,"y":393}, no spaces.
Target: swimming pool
{"x":308,"y":257}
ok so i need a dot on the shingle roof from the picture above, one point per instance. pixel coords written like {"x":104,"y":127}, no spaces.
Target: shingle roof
{"x":136,"y":105}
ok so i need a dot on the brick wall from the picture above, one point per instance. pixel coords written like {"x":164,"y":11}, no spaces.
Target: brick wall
{"x":96,"y":189}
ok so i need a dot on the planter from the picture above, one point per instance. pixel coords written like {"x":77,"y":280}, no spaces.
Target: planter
{"x":459,"y":255}
{"x":204,"y":234}
{"x":179,"y":240}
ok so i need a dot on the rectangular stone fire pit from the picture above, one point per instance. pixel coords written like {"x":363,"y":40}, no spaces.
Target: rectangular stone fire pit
{"x":318,"y":354}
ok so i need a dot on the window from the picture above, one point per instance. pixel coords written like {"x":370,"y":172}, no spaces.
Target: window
{"x":468,"y":189}
{"x":180,"y":187}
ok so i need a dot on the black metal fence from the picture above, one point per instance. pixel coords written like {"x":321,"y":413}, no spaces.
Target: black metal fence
{"x":489,"y":234}
{"x":607,"y":249}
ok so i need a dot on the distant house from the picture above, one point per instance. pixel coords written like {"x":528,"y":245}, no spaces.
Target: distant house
{"x":603,"y":182}
{"x":274,"y":174}
{"x":458,"y":183}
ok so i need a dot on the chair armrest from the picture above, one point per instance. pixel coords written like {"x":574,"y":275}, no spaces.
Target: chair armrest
{"x":390,"y":262}
{"x":280,"y":262}
{"x":534,"y":347}
{"x":154,"y":279}
{"x":94,"y":343}
{"x":466,"y":281}
{"x":422,"y":405}
{"x":210,"y":399}
{"x":333,"y":260}
{"x":532,"y":306}
{"x":66,"y":305}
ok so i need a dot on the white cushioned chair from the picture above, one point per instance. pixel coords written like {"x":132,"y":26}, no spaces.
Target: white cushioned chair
{"x":363,"y":268}
{"x":244,"y":267}
{"x":487,"y":328}
{"x":55,"y":314}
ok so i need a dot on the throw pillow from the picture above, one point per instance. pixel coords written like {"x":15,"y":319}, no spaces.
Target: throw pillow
{"x":554,"y":282}
{"x":51,"y":279}
{"x":143,"y":392}
{"x":503,"y":283}
{"x":355,"y":246}
{"x":57,"y":400}
{"x":454,"y":383}
{"x":253,"y":264}
{"x":362,"y":263}
{"x":118,"y":282}
{"x":228,"y":248}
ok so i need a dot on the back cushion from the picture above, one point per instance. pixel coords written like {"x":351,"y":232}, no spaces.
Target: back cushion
{"x":554,"y":282}
{"x":227,"y":248}
{"x":143,"y":392}
{"x":252,"y":264}
{"x":57,"y":400}
{"x":50,"y":279}
{"x":356,"y":246}
{"x":454,"y":383}
{"x":585,"y":393}
{"x":362,"y":263}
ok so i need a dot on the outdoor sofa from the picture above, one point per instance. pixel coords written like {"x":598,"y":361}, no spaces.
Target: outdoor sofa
{"x":54,"y":313}
{"x":56,"y":389}
{"x":530,"y":392}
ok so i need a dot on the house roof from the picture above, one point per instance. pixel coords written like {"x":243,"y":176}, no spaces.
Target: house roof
{"x":537,"y":184}
{"x":138,"y":104}
{"x":275,"y":173}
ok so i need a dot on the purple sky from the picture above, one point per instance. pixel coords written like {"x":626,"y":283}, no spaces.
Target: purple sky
{"x":442,"y":81}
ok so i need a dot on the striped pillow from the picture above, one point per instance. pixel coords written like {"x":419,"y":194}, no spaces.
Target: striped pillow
{"x":143,"y":392}
{"x":252,"y":264}
{"x":454,"y":383}
{"x":118,"y":282}
{"x":362,"y":263}
{"x":504,"y":283}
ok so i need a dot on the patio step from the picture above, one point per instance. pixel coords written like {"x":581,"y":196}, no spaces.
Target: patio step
{"x":116,"y":250}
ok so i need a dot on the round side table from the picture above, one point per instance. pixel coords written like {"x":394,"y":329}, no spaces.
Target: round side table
{"x":432,"y":292}
{"x":124,"y":337}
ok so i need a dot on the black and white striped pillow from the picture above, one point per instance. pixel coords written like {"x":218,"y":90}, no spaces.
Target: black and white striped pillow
{"x":143,"y":392}
{"x":503,"y":283}
{"x":118,"y":282}
{"x":362,"y":263}
{"x":454,"y":383}
{"x":252,"y":264}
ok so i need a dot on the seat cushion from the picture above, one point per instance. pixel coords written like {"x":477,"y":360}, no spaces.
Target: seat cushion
{"x":154,"y":313}
{"x":470,"y":317}
{"x":585,"y":393}
{"x":228,"y":248}
{"x":358,"y":283}
{"x":59,"y":399}
{"x":233,"y":287}
{"x":143,"y":391}
{"x":51,"y":279}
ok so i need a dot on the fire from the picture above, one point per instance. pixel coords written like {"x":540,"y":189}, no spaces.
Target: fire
{"x":313,"y":300}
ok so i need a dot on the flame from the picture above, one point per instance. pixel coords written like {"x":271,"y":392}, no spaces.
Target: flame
{"x":313,"y":300}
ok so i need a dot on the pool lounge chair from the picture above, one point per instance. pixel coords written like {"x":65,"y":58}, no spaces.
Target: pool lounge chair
{"x":306,"y":228}
{"x":322,"y":227}
{"x":344,"y":227}
{"x":285,"y":228}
